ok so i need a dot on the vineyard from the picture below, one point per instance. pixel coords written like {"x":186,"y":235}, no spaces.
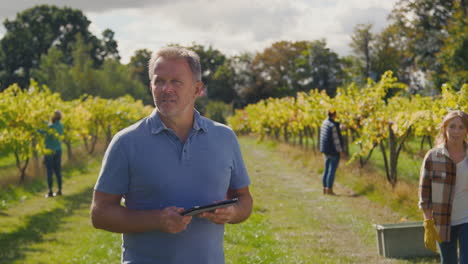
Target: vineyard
{"x":26,"y":112}
{"x":370,"y":116}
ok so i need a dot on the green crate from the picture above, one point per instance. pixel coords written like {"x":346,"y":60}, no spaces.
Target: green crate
{"x":402,"y":240}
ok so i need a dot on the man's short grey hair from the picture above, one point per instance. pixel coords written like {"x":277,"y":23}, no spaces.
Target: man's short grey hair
{"x":176,"y":53}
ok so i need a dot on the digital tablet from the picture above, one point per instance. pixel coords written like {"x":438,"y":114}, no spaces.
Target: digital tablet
{"x":210,"y":207}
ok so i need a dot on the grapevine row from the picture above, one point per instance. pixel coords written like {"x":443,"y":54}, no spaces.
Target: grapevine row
{"x":371,"y":119}
{"x":25,"y":112}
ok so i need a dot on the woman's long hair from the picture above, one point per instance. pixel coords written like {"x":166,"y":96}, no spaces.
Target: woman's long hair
{"x":442,"y":136}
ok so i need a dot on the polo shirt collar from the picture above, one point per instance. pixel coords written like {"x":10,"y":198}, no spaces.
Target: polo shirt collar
{"x":199,"y":123}
{"x":157,"y":125}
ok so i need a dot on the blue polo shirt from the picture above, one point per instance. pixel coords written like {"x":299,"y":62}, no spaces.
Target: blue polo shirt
{"x":153,"y":169}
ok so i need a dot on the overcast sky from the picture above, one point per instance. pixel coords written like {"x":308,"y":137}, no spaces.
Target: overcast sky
{"x":232,"y":26}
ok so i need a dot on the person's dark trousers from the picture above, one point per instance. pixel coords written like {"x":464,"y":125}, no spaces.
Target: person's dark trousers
{"x":53,"y":164}
{"x":448,"y":250}
{"x":331,"y":164}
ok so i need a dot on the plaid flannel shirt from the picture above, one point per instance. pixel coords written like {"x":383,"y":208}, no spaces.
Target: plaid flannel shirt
{"x":437,"y":187}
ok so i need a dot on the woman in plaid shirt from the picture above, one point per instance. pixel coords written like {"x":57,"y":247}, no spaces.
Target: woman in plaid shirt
{"x":443,"y":189}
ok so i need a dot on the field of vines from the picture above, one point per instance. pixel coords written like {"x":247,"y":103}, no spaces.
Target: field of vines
{"x":25,"y":112}
{"x":370,"y":117}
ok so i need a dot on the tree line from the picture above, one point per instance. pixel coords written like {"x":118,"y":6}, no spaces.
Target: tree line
{"x":424,"y":45}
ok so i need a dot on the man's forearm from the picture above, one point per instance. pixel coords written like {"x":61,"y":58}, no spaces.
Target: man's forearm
{"x":243,"y":208}
{"x":118,"y":219}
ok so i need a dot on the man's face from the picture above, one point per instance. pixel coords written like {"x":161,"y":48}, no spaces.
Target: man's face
{"x":173,"y":87}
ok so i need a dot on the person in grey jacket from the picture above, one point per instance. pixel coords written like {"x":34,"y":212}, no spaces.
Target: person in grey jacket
{"x":331,"y":145}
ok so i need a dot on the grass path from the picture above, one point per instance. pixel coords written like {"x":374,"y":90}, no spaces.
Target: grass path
{"x":292,"y":221}
{"x":307,"y":226}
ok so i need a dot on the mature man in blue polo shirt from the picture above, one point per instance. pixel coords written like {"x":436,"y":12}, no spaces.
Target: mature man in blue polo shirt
{"x":171,"y":160}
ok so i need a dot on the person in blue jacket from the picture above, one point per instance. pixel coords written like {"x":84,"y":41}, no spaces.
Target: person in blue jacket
{"x":331,"y":145}
{"x":53,"y":160}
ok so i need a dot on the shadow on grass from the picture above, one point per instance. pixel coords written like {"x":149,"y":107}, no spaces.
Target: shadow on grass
{"x":12,"y":193}
{"x":363,"y":191}
{"x":367,"y":189}
{"x":13,"y":245}
{"x":351,"y":195}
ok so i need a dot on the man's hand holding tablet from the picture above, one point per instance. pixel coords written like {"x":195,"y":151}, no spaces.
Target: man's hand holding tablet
{"x":196,"y":210}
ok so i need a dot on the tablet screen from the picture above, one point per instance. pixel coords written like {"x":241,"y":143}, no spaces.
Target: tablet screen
{"x":210,"y":207}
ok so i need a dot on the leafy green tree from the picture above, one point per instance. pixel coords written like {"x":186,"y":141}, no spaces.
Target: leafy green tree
{"x":139,"y":66}
{"x":222,"y":86}
{"x":244,"y":79}
{"x":115,"y":80}
{"x":276,"y":69}
{"x":52,"y":70}
{"x":423,"y":26}
{"x":325,"y":68}
{"x":374,"y":54}
{"x":71,"y":81}
{"x":108,"y":47}
{"x":210,"y":60}
{"x":361,"y":44}
{"x":389,"y":55}
{"x":83,"y":76}
{"x":34,"y":31}
{"x":453,"y":55}
{"x":286,"y":68}
{"x":352,"y":68}
{"x":217,"y":75}
{"x":218,"y":111}
{"x":111,"y":80}
{"x":3,"y":72}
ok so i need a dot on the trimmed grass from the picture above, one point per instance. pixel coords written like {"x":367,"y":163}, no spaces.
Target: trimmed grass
{"x":12,"y":192}
{"x":371,"y":181}
{"x":294,"y":223}
{"x":58,"y":230}
{"x":409,"y":163}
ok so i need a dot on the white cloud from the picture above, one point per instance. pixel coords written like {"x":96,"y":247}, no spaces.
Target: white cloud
{"x":230,"y":26}
{"x":10,"y":8}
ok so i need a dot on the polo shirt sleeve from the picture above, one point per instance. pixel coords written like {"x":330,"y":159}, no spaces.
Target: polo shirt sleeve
{"x":114,"y":176}
{"x":425,"y":186}
{"x":239,"y":175}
